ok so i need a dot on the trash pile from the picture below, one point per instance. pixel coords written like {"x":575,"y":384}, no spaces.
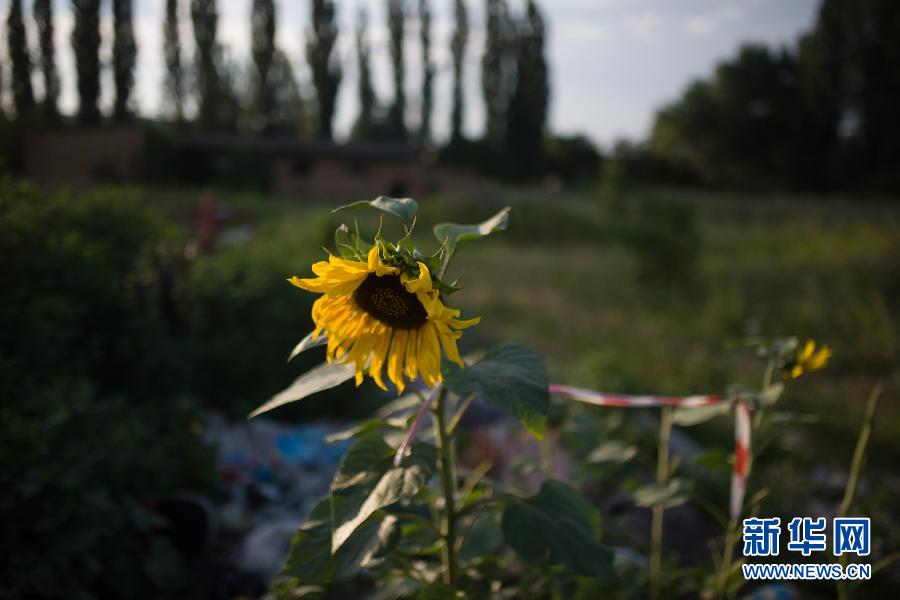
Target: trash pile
{"x":272,"y":472}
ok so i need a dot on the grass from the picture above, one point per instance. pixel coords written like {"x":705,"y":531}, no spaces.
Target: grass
{"x":654,"y":291}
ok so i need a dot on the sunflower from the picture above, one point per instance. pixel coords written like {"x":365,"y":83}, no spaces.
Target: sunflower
{"x":809,"y":359}
{"x":376,"y":314}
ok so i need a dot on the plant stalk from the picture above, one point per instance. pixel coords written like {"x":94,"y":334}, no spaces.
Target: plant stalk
{"x":662,"y":476}
{"x":859,"y":454}
{"x":448,"y":482}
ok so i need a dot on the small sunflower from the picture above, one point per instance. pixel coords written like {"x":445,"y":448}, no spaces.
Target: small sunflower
{"x":809,"y":359}
{"x":378,"y":314}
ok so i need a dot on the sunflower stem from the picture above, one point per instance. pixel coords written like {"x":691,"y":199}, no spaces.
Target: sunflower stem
{"x":447,"y":468}
{"x":662,"y":476}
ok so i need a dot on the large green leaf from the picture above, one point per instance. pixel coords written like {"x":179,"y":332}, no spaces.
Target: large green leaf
{"x":451,"y":234}
{"x":403,"y":208}
{"x":510,"y":377}
{"x":367,"y":480}
{"x":310,"y":341}
{"x":558,"y":527}
{"x":672,"y":493}
{"x":323,"y":377}
{"x":310,"y":559}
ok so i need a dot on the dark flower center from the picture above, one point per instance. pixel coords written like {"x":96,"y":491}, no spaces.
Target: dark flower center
{"x":386,"y":299}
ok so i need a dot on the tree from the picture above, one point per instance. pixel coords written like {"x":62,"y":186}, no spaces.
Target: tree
{"x":289,"y":114}
{"x":175,"y":80}
{"x":497,"y":71}
{"x":458,"y":48}
{"x":124,"y":57}
{"x":857,"y":47}
{"x":262,"y":20}
{"x":205,"y":20}
{"x":17,"y":40}
{"x":747,"y":126}
{"x":527,"y":114}
{"x":365,"y":125}
{"x":326,"y":71}
{"x":86,"y":46}
{"x":43,"y":17}
{"x":427,"y":72}
{"x":397,"y":111}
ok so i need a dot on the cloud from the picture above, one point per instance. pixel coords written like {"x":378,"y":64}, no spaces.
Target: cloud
{"x":645,"y":25}
{"x":706,"y":23}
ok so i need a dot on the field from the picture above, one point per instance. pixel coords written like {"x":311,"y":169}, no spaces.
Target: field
{"x":656,"y":290}
{"x":635,"y":290}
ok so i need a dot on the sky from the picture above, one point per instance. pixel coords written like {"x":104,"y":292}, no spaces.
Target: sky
{"x":612,"y":63}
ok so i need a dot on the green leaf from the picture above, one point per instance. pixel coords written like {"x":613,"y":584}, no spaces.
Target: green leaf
{"x":686,"y":417}
{"x":558,"y":527}
{"x":510,"y":377}
{"x":349,"y":244}
{"x":310,"y":559}
{"x":402,"y":208}
{"x":714,"y":460}
{"x":310,"y":341}
{"x":612,"y":451}
{"x":365,"y":428}
{"x":672,"y":493}
{"x":367,"y":481}
{"x":452,"y":234}
{"x":436,"y":590}
{"x":323,"y":377}
{"x":484,"y":536}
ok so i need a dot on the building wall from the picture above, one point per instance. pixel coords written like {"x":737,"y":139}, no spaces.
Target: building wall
{"x":353,"y":179}
{"x":109,"y":154}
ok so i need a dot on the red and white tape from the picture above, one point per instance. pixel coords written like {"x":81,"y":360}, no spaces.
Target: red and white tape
{"x":741,"y":425}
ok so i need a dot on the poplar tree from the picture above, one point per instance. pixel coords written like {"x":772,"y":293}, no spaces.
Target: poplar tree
{"x":397,"y":110}
{"x":527,"y":113}
{"x":458,"y":47}
{"x":326,"y":71}
{"x":205,"y":21}
{"x":43,"y":17}
{"x":174,"y":82}
{"x":124,"y":57}
{"x":17,"y":44}
{"x":364,"y":128}
{"x":86,"y":47}
{"x":262,"y":19}
{"x":427,"y":72}
{"x":497,"y":71}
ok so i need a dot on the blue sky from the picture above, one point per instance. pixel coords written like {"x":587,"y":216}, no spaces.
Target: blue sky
{"x":613,"y":62}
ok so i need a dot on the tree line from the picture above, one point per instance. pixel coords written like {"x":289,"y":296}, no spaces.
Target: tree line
{"x":213,"y":93}
{"x":821,"y":114}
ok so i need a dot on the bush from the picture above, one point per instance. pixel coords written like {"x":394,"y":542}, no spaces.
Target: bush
{"x":92,"y":426}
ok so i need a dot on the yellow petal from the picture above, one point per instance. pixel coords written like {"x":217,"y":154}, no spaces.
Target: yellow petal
{"x":379,"y":355}
{"x":395,"y":358}
{"x":376,"y":266}
{"x":819,"y":359}
{"x":457,"y":324}
{"x":410,"y":367}
{"x":806,"y":352}
{"x":448,"y":342}
{"x":422,"y":283}
{"x":429,"y":354}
